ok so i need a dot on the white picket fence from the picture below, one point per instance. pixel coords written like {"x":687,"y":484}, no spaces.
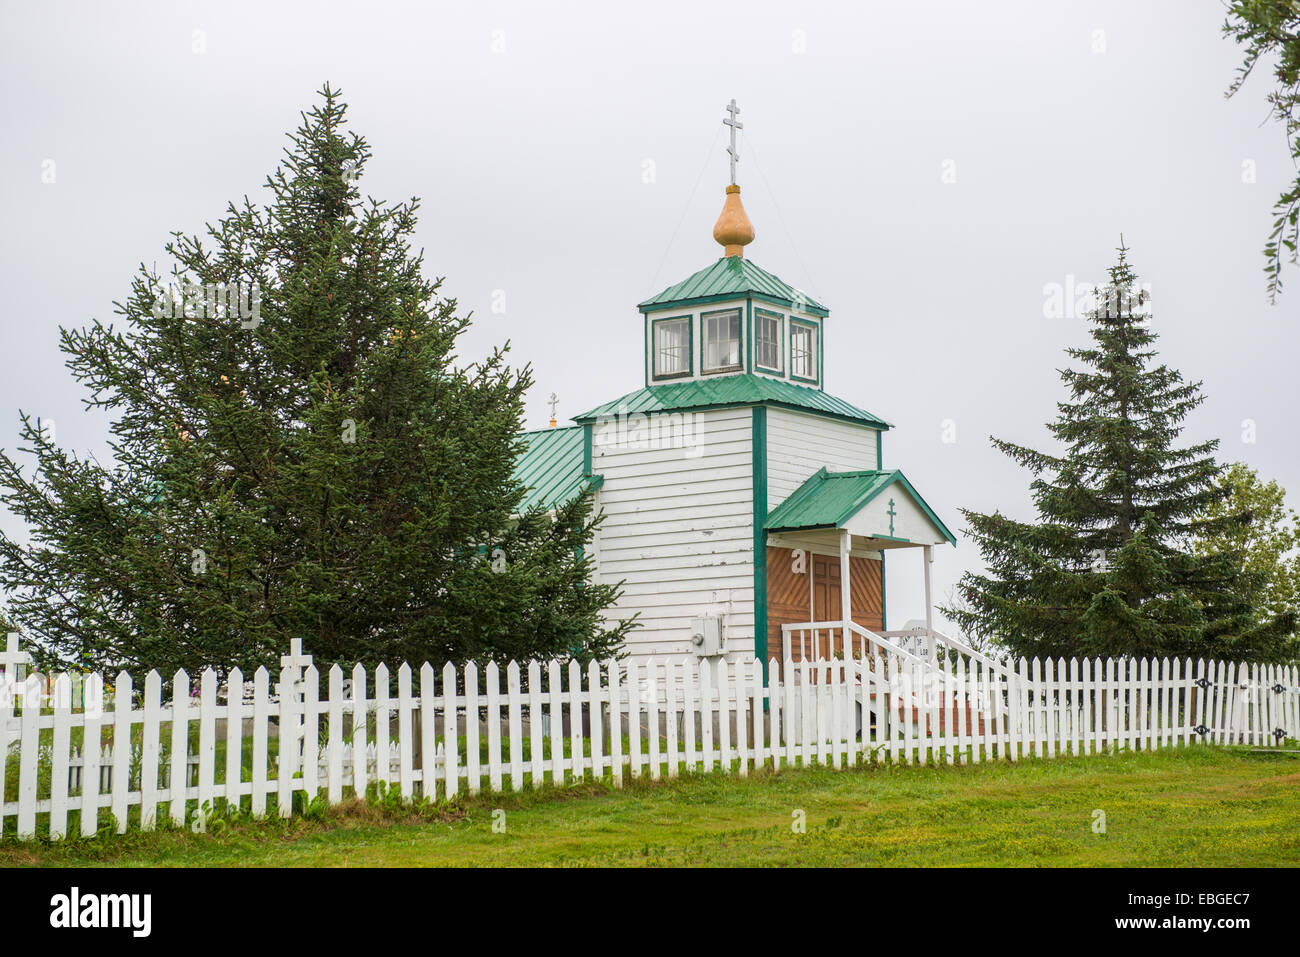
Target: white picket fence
{"x":438,"y":733}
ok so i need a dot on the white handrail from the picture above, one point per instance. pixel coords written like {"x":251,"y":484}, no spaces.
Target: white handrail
{"x":970,"y":652}
{"x":814,"y":627}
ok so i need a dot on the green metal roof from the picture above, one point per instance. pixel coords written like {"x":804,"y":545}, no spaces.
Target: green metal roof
{"x":551,"y":467}
{"x":730,"y":277}
{"x":829,"y":499}
{"x":731,"y":390}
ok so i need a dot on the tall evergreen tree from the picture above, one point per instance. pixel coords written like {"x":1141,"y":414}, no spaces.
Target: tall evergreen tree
{"x":297,"y":453}
{"x":1109,"y":568}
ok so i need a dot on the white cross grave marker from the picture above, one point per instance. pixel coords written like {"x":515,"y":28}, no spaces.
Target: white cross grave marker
{"x":12,"y":661}
{"x":296,"y":663}
{"x":13,"y":667}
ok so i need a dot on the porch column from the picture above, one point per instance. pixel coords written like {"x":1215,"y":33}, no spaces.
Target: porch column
{"x":846,"y":591}
{"x":929,"y":607}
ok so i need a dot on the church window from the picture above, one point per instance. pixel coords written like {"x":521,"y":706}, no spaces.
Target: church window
{"x":721,"y":341}
{"x":767,"y":340}
{"x":672,"y":347}
{"x":803,"y":351}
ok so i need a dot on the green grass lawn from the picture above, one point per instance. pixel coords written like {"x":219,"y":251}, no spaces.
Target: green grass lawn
{"x":1203,"y":806}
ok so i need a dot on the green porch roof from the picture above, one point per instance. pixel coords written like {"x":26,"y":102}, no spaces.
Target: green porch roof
{"x":829,"y":499}
{"x":729,"y":278}
{"x":732,"y":390}
{"x":551,"y":467}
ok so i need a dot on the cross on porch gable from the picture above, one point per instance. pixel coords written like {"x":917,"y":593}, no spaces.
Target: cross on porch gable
{"x":891,"y":513}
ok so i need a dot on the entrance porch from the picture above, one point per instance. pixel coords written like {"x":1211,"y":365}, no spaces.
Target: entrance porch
{"x":834,"y":529}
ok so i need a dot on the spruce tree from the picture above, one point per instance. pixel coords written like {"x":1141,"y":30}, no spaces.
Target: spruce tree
{"x":1109,"y":567}
{"x":296,"y":453}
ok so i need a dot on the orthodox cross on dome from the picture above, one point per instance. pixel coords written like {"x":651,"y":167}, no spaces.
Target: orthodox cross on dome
{"x":733,"y":229}
{"x":554,"y":401}
{"x":735,"y":124}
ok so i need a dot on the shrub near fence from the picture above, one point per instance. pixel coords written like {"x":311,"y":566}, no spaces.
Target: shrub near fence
{"x":433,"y":734}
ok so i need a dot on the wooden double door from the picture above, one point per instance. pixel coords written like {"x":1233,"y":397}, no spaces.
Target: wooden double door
{"x":810,"y":590}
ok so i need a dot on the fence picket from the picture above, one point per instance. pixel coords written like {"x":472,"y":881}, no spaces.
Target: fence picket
{"x":514,"y":705}
{"x":537,"y":767}
{"x":979,"y":708}
{"x":613,"y":672}
{"x":59,"y":757}
{"x":576,"y":763}
{"x":806,"y":695}
{"x":149,"y":746}
{"x":7,"y":736}
{"x":360,"y":716}
{"x":428,"y":732}
{"x":788,"y":679}
{"x":1157,"y":704}
{"x":180,"y":745}
{"x":450,"y":731}
{"x":207,"y":741}
{"x":836,"y":722}
{"x":261,"y":709}
{"x":961,"y":708}
{"x":473,"y":747}
{"x":287,"y":761}
{"x":405,"y":757}
{"x":672,"y":675}
{"x":634,"y":692}
{"x":596,"y":718}
{"x":1059,"y":700}
{"x":28,"y":750}
{"x":931,"y":699}
{"x":652,"y":714}
{"x":774,"y":704}
{"x":724,"y":716}
{"x":492,"y":684}
{"x":1220,"y":709}
{"x":91,"y":750}
{"x":383,"y":763}
{"x":706,"y":712}
{"x":311,"y":733}
{"x":993,"y":708}
{"x":752,"y":738}
{"x":334,"y":745}
{"x":556,"y":719}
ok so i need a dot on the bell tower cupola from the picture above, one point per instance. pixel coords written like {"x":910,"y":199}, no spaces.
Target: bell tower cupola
{"x":733,"y":327}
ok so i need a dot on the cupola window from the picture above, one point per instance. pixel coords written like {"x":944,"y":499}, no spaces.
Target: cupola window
{"x":803,"y":351}
{"x":767,"y":340}
{"x":721,"y":341}
{"x":672,"y":344}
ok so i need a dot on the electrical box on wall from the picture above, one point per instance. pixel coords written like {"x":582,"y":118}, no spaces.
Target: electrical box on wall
{"x":706,"y":635}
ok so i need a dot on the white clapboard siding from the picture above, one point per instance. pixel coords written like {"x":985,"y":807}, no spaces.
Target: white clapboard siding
{"x":798,"y":444}
{"x":678,"y":530}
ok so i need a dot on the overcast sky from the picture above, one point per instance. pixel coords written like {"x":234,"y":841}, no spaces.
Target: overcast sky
{"x":925,"y":170}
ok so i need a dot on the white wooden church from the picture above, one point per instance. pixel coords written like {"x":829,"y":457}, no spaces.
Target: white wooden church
{"x":739,"y":495}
